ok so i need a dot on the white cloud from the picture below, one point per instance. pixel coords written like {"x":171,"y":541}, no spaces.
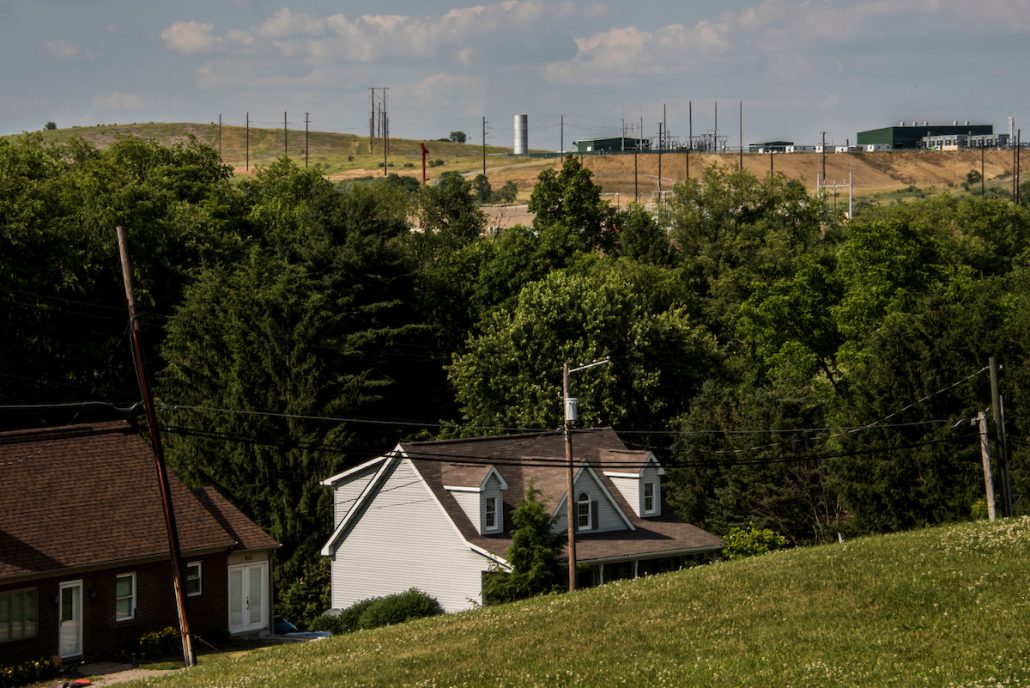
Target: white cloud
{"x":190,"y":37}
{"x":60,"y":48}
{"x":632,"y":51}
{"x":119,"y":101}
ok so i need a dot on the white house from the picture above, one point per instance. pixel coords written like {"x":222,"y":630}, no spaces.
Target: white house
{"x":437,"y":515}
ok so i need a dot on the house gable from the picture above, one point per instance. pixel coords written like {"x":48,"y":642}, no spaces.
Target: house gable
{"x":608,"y":517}
{"x":640,"y":487}
{"x":404,"y":538}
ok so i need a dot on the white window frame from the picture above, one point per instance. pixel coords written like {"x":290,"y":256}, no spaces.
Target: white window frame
{"x":131,"y":597}
{"x":580,"y":503}
{"x":653,"y":497}
{"x":200,"y":578}
{"x":29,"y":601}
{"x":496,"y":503}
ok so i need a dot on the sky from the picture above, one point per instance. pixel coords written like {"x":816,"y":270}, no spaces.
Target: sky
{"x":796,"y":67}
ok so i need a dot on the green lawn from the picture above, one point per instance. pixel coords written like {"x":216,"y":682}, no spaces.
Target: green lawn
{"x":938,"y":607}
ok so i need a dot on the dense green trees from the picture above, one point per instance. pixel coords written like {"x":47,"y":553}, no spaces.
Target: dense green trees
{"x":806,"y":374}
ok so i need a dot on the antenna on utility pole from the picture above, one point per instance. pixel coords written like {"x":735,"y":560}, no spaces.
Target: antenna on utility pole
{"x":159,"y":461}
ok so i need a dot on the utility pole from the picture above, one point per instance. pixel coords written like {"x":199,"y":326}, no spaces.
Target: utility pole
{"x":570,"y":498}
{"x":636,"y":185}
{"x":306,"y":123}
{"x":715,"y":135}
{"x":741,"y":120}
{"x":286,"y":137}
{"x":981,"y":168}
{"x":425,"y":152}
{"x":690,"y":135}
{"x":484,"y":146}
{"x":561,"y":134}
{"x":219,"y":137}
{"x":371,"y":119}
{"x":660,"y":144}
{"x":1001,"y":440}
{"x":247,"y":143}
{"x":159,"y":462}
{"x":824,"y":157}
{"x":985,"y":455}
{"x":386,"y":124}
{"x":571,"y":413}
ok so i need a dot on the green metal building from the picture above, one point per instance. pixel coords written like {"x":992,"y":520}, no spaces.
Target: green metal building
{"x":616,"y":144}
{"x":904,"y":137}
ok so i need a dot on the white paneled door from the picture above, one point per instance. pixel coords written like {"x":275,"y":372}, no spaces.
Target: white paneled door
{"x":248,"y":597}
{"x":70,"y":615}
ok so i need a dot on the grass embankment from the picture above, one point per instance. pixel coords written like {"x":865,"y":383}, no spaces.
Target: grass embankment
{"x":939,"y":607}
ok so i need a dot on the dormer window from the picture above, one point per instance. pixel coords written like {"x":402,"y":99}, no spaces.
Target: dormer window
{"x":584,"y":512}
{"x":650,"y":502}
{"x":491,"y":514}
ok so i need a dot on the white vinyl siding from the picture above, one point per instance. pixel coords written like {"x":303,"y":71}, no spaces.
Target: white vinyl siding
{"x":608,"y":518}
{"x":403,"y":539}
{"x":469,"y":503}
{"x":629,"y":488}
{"x":650,"y":475}
{"x":347,"y":493}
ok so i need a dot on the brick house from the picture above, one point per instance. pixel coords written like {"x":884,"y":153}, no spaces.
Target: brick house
{"x":84,"y":562}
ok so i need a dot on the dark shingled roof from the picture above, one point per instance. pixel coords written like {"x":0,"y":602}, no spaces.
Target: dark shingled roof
{"x":521,"y":459}
{"x":87,"y":496}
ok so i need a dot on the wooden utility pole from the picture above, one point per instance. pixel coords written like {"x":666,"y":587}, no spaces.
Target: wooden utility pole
{"x":741,"y":121}
{"x":425,"y":152}
{"x":660,"y":144}
{"x":636,"y":185}
{"x":159,"y":461}
{"x":1001,"y":440}
{"x":570,"y":497}
{"x":985,"y":455}
{"x":371,"y":119}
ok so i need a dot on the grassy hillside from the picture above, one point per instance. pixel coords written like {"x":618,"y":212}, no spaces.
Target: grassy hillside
{"x":939,"y":607}
{"x":880,"y":177}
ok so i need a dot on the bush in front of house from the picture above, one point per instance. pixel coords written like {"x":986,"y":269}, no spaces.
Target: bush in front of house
{"x":747,"y":542}
{"x":26,"y":672}
{"x":158,"y":644}
{"x":398,"y":608}
{"x":379,"y":611}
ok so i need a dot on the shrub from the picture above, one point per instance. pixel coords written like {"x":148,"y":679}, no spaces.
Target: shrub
{"x":157,"y":644}
{"x":398,"y":608}
{"x":343,"y":621}
{"x":26,"y":672}
{"x":747,"y":542}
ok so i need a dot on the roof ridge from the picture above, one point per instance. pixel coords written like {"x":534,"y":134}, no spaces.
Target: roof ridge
{"x":64,"y":432}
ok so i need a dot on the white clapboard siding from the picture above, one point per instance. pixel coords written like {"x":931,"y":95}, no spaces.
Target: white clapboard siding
{"x":469,"y":503}
{"x":630,"y":490}
{"x":650,"y":474}
{"x":402,"y":540}
{"x":608,"y":517}
{"x":347,"y":493}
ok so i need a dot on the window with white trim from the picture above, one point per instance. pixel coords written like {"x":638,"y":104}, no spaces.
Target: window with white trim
{"x":125,"y":596}
{"x":584,"y":512}
{"x":18,"y":614}
{"x":193,"y":587}
{"x":649,"y":497}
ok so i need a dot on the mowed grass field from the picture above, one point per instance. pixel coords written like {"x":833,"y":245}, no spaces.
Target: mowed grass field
{"x":946,"y":606}
{"x":881,"y":176}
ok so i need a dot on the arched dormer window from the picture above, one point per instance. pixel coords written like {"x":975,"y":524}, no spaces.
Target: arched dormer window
{"x":585,"y":512}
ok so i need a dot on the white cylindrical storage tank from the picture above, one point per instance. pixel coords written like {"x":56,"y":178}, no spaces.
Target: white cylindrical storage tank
{"x":521,"y":146}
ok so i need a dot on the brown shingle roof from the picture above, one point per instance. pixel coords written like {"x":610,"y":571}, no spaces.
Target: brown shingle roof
{"x":87,"y":495}
{"x":540,"y":459}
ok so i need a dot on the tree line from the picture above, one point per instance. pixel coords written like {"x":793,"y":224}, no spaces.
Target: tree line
{"x":792,"y":369}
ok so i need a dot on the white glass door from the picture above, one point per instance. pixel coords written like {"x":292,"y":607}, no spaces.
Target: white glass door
{"x":70,"y":615}
{"x":248,"y":597}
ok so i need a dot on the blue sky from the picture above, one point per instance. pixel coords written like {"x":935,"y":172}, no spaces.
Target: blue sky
{"x":799,"y":66}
